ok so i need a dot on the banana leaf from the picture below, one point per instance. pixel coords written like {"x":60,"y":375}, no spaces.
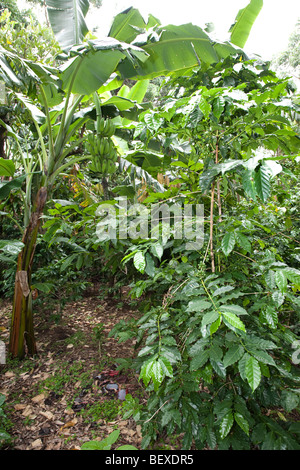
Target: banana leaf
{"x":90,"y":65}
{"x":175,"y":49}
{"x":244,"y":21}
{"x":67,"y":18}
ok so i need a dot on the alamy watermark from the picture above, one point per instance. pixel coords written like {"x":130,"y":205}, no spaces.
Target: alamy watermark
{"x":2,"y":353}
{"x":160,"y":221}
{"x":296,"y":354}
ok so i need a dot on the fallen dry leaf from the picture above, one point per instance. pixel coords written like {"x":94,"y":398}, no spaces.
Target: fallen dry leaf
{"x":37,"y":444}
{"x":9,"y":374}
{"x":28,"y":411}
{"x":47,"y":414}
{"x":20,"y":406}
{"x":69,"y":424}
{"x":38,"y":398}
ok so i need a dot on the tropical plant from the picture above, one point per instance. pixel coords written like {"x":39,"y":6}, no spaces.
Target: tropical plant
{"x":106,"y":444}
{"x":88,"y":66}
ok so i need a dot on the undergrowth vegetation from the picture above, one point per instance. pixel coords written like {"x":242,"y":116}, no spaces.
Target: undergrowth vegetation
{"x":217,"y":339}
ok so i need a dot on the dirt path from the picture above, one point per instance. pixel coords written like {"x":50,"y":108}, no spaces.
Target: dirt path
{"x":60,"y":399}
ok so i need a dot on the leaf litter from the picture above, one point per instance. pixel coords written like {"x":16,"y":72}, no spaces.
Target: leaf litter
{"x":50,"y":398}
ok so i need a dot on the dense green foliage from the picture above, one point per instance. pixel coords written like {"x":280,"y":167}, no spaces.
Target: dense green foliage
{"x":218,"y":335}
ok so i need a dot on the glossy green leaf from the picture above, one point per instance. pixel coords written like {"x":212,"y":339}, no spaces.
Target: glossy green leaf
{"x":127,"y":447}
{"x":242,"y":422}
{"x":209,"y":317}
{"x":67,"y":18}
{"x":293,"y":275}
{"x":269,"y":316}
{"x":236,"y":309}
{"x":281,"y":281}
{"x":174,"y":48}
{"x":218,"y":367}
{"x":248,"y":184}
{"x":198,"y":305}
{"x":199,"y":360}
{"x":7,"y":167}
{"x":91,"y":65}
{"x":244,"y":21}
{"x":11,"y":247}
{"x":126,"y":25}
{"x":232,"y":320}
{"x":262,"y":183}
{"x":243,"y":241}
{"x":165,"y":366}
{"x":139,"y":261}
{"x":226,"y":424}
{"x":228,"y":243}
{"x":157,"y":249}
{"x":234,"y":354}
{"x":204,"y":107}
{"x":253,"y":373}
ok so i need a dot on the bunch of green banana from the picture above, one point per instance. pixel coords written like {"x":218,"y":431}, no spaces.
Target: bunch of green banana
{"x":106,"y":127}
{"x":103,"y":152}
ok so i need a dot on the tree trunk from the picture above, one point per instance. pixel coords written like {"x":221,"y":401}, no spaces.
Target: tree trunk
{"x":22,"y":331}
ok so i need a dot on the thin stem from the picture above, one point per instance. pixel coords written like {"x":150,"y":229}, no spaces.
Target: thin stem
{"x":213,"y":269}
{"x":210,"y":297}
{"x":238,"y":253}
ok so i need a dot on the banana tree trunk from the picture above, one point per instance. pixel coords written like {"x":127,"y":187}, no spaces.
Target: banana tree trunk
{"x":22,"y":330}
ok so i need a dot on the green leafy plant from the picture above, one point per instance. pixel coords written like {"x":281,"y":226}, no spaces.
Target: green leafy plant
{"x":98,"y":335}
{"x":106,"y":444}
{"x":5,"y":437}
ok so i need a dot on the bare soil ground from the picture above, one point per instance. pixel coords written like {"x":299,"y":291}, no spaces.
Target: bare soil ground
{"x":59,"y":399}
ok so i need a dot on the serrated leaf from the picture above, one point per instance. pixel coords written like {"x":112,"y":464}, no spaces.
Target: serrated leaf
{"x":228,"y":243}
{"x":232,"y":320}
{"x":253,"y":373}
{"x":226,"y":425}
{"x":233,"y":355}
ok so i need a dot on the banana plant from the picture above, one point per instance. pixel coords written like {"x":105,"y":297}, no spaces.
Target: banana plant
{"x":88,"y":65}
{"x":57,"y":147}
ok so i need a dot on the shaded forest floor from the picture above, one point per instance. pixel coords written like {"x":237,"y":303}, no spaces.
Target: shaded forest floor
{"x":60,"y":399}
